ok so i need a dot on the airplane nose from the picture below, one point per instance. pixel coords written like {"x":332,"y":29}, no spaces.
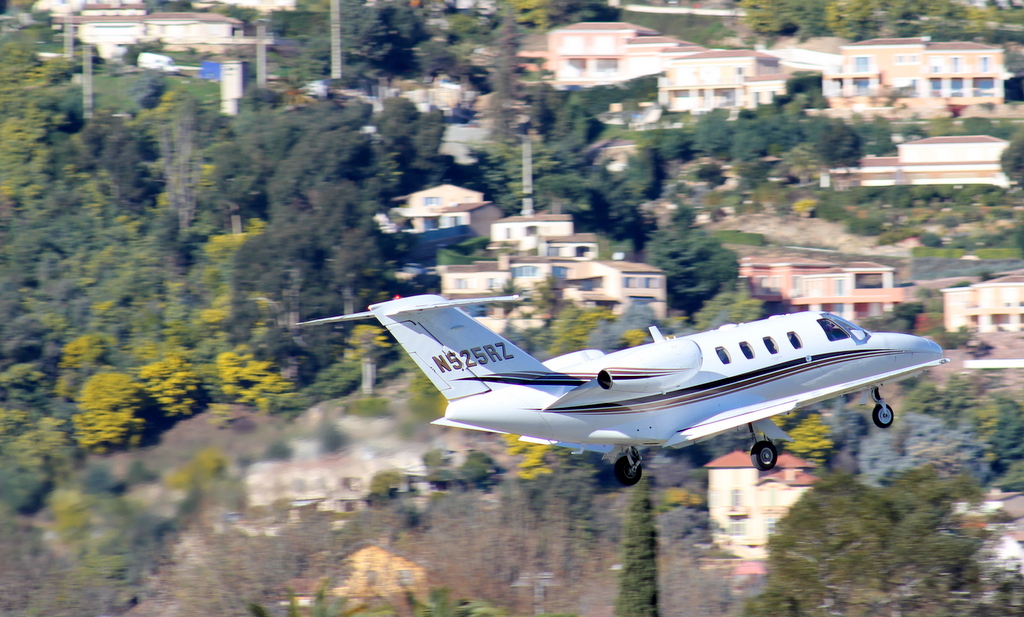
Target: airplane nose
{"x":916,"y":344}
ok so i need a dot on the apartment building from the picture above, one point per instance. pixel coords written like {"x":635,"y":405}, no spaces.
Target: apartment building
{"x":957,"y":159}
{"x":615,"y":285}
{"x":525,"y":233}
{"x":747,"y":503}
{"x":708,"y":80}
{"x":852,"y":291}
{"x":598,"y":53}
{"x":915,"y":72}
{"x":990,"y":306}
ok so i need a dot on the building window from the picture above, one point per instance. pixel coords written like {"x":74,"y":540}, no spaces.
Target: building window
{"x":748,"y":351}
{"x":956,"y":64}
{"x":862,"y":64}
{"x":984,"y":86}
{"x":862,"y":87}
{"x":769,"y":344}
{"x":653,"y":283}
{"x":737,"y":529}
{"x":552,"y":251}
{"x":985,"y":64}
{"x":769,"y":525}
{"x":628,"y":282}
{"x":431,"y":201}
{"x":794,"y":340}
{"x":935,"y":66}
{"x":525,"y":272}
{"x":723,"y":355}
{"x":956,"y":86}
{"x":405,"y":576}
{"x":607,"y":67}
{"x":531,"y":230}
{"x":560,"y":272}
{"x":371,"y":577}
{"x":840,"y":287}
{"x":581,"y":251}
{"x":461,"y":284}
{"x":935,"y":87}
{"x":737,"y":495}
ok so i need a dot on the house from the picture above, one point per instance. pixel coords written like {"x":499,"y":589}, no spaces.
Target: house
{"x":114,"y":8}
{"x":448,"y":206}
{"x":917,"y":73}
{"x":337,"y":483}
{"x":263,"y":6}
{"x":852,"y":291}
{"x":615,"y":285}
{"x":598,"y":53}
{"x":747,"y":503}
{"x":995,"y":305}
{"x":202,"y":32}
{"x":375,"y":573}
{"x":958,"y":159}
{"x":525,"y":233}
{"x":715,"y":79}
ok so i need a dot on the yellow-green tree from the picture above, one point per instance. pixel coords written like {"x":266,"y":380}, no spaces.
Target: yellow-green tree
{"x":367,"y":340}
{"x":174,"y":384}
{"x":110,"y":403}
{"x":244,"y":379}
{"x":729,"y":307}
{"x":534,"y":463}
{"x":573,"y":327}
{"x":200,"y":473}
{"x":811,"y":439}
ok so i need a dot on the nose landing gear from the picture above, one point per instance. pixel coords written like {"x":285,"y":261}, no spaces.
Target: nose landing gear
{"x":628,"y":469}
{"x":882,"y":415}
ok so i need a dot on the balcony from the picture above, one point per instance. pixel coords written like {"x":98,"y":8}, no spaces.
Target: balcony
{"x":738,"y":511}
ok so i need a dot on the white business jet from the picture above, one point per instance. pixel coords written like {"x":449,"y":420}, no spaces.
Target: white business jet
{"x":672,"y":392}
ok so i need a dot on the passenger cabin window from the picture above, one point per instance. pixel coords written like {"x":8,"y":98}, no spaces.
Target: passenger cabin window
{"x":832,"y":330}
{"x":723,"y":355}
{"x":769,"y":344}
{"x":794,"y":340}
{"x":747,"y":350}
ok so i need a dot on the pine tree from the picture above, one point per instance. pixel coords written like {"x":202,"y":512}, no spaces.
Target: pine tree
{"x":638,"y":581}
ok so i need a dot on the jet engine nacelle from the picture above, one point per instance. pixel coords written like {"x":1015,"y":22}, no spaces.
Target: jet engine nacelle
{"x":653,"y":368}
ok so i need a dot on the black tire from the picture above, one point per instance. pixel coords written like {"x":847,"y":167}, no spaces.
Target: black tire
{"x":882,"y":415}
{"x":622,"y":472}
{"x":764,"y":456}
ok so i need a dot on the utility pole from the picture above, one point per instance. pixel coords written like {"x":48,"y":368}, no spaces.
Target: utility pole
{"x":261,"y":54}
{"x":69,"y":32}
{"x":527,"y":176}
{"x":87,"y":81}
{"x":335,"y":39}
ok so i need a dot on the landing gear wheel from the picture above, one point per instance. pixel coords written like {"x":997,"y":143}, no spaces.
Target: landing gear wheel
{"x":882,"y":415}
{"x":628,"y":473}
{"x":764,"y":455}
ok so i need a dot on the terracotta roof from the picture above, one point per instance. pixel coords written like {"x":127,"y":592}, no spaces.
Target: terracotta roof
{"x":207,"y":17}
{"x":536,"y":217}
{"x":1003,"y":279}
{"x":800,"y":478}
{"x":467,"y":207}
{"x":739,"y":458}
{"x":748,"y":568}
{"x":913,"y":40}
{"x":778,"y":260}
{"x":689,"y":49}
{"x":98,"y":7}
{"x":610,"y":25}
{"x":958,"y":139}
{"x":959,"y":45}
{"x":731,"y":53}
{"x":631,"y":266}
{"x":651,"y":40}
{"x":879,"y":161}
{"x":773,"y":77}
{"x":866,"y":264}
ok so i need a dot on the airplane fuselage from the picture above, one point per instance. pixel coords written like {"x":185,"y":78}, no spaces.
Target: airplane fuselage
{"x":740,"y":365}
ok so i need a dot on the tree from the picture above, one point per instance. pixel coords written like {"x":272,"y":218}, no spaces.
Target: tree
{"x":1012,"y":159}
{"x":922,"y":440}
{"x":728,"y":307}
{"x":110,"y":403}
{"x":696,"y":265}
{"x":638,"y":580}
{"x":850,"y":549}
{"x":574,"y":326}
{"x":243,"y":379}
{"x":839,"y":145}
{"x":533,"y":464}
{"x":173,"y":384}
{"x":811,"y":439}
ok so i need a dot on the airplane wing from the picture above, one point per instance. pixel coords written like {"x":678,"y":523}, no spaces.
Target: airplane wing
{"x":758,"y":412}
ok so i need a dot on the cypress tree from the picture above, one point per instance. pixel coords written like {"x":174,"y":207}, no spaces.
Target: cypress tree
{"x":638,"y":580}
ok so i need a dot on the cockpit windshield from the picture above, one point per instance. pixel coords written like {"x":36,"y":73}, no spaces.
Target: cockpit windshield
{"x":836,"y":328}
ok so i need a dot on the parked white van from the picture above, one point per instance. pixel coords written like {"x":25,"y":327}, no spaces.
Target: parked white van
{"x":157,"y":62}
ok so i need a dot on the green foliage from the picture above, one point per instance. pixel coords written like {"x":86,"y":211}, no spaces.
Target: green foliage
{"x":731,"y":236}
{"x":728,"y":307}
{"x":638,"y":580}
{"x":384,"y":486}
{"x":696,"y":266}
{"x":811,"y":440}
{"x":1013,"y":253}
{"x":370,"y":407}
{"x":110,"y":404}
{"x":573,"y":327}
{"x":478,"y":469}
{"x":924,"y":251}
{"x":854,"y":548}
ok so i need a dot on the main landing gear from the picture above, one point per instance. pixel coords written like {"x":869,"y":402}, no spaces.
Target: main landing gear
{"x":628,"y":469}
{"x":882,"y":415}
{"x":763,"y":453}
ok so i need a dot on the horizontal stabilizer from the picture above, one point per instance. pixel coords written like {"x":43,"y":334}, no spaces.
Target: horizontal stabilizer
{"x":431,"y":304}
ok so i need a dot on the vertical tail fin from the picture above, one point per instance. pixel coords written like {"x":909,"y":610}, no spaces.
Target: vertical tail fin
{"x":459,"y":355}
